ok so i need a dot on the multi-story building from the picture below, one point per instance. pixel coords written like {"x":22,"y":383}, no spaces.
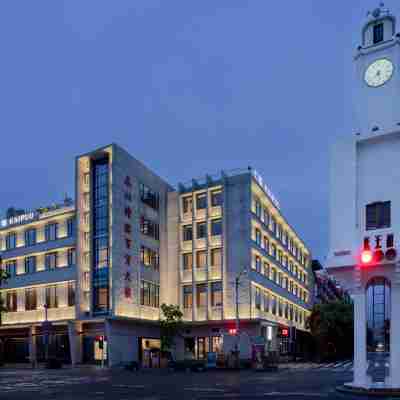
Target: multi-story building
{"x":131,"y":243}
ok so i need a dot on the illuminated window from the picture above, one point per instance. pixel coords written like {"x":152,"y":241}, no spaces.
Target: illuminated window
{"x":216,"y":198}
{"x":30,"y":264}
{"x":11,"y":301}
{"x":51,"y":296}
{"x":51,"y":231}
{"x":201,"y":259}
{"x":187,"y":233}
{"x":201,"y":230}
{"x":187,"y":296}
{"x":201,"y":291}
{"x":187,"y":204}
{"x":258,"y":236}
{"x":201,"y":201}
{"x":51,"y":260}
{"x":30,"y":237}
{"x":149,"y":257}
{"x":216,"y":257}
{"x":30,"y":299}
{"x":216,"y":294}
{"x":187,"y":261}
{"x":11,"y":240}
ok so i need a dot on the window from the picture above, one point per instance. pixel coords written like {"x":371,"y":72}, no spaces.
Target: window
{"x":273,"y":275}
{"x":378,"y":215}
{"x":280,"y":256}
{"x":201,"y":295}
{"x":201,"y":201}
{"x":201,"y":259}
{"x":71,"y":226}
{"x":280,"y":308}
{"x":51,"y":296}
{"x":149,"y":228}
{"x":187,"y":204}
{"x":30,"y":299}
{"x":187,"y":297}
{"x":273,"y":250}
{"x":149,"y":257}
{"x":257,"y":299}
{"x":266,"y":216}
{"x":272,"y":224}
{"x":71,"y":257}
{"x":266,"y":244}
{"x":101,"y":252}
{"x":266,"y":269}
{"x":11,"y":240}
{"x":201,"y":230}
{"x":11,"y":301}
{"x":258,"y":208}
{"x":258,"y":263}
{"x":51,"y":260}
{"x":149,"y":294}
{"x":187,"y":261}
{"x":51,"y":231}
{"x":258,"y":236}
{"x":187,"y":233}
{"x":216,"y":257}
{"x":30,"y":237}
{"x":266,"y":302}
{"x":216,"y":227}
{"x":11,"y":267}
{"x":30,"y":264}
{"x":71,"y":294}
{"x":273,"y":305}
{"x":286,"y":310}
{"x":378,"y":33}
{"x":216,"y":294}
{"x":216,"y":198}
{"x":149,"y":197}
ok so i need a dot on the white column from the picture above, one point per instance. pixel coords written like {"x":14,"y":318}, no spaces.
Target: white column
{"x":32,"y":346}
{"x":75,"y":341}
{"x":360,"y":339}
{"x":394,"y":376}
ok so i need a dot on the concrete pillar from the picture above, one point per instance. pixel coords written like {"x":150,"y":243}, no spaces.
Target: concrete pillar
{"x":33,"y":346}
{"x":360,"y":339}
{"x":75,"y":341}
{"x":394,"y":374}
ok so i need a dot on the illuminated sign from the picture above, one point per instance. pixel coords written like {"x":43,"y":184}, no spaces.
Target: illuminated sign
{"x":266,"y":189}
{"x":285,"y":332}
{"x":232,"y":331}
{"x":19,"y":219}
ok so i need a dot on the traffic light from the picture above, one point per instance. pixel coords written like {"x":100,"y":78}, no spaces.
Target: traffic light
{"x":369,"y":257}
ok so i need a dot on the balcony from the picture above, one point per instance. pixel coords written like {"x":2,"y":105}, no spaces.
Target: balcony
{"x":186,"y":275}
{"x":201,"y":313}
{"x":53,"y":314}
{"x":200,"y":274}
{"x":215,"y":272}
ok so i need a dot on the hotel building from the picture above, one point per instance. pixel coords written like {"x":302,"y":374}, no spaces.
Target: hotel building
{"x":99,"y":269}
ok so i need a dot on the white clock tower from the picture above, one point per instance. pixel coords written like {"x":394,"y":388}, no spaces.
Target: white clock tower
{"x":364,"y":242}
{"x":377,"y":65}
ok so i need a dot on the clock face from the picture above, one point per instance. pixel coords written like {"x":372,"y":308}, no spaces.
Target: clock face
{"x":379,"y":72}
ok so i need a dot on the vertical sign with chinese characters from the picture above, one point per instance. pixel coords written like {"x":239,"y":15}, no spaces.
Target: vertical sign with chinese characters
{"x":127,"y":236}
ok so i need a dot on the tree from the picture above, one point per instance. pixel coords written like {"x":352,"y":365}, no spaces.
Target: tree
{"x":332,"y":326}
{"x":170,"y":326}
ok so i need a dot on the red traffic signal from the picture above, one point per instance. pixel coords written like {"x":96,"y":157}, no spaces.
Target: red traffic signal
{"x":232,"y":331}
{"x":285,"y":332}
{"x":366,"y":257}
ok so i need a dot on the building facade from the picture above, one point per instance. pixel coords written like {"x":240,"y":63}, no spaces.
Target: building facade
{"x":364,"y":204}
{"x":87,"y":280}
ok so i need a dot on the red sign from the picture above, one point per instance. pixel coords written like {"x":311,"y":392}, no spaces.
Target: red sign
{"x":232,"y":331}
{"x":285,"y":332}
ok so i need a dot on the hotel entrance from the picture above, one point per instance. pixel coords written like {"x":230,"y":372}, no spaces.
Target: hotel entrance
{"x":149,"y":352}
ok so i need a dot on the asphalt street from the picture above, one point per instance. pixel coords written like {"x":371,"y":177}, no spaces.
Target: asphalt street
{"x":95,"y":383}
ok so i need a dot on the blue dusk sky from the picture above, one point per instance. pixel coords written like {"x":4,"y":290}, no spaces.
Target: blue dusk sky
{"x":188,"y":87}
